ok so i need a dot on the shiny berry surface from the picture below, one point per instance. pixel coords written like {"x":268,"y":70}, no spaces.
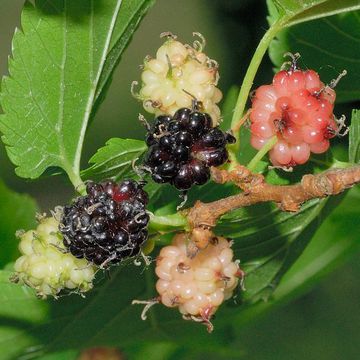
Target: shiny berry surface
{"x":184,"y":147}
{"x":107,"y":225}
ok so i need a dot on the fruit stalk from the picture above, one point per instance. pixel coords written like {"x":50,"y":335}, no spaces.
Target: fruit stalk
{"x":167,"y":223}
{"x":76,"y":180}
{"x":261,"y":153}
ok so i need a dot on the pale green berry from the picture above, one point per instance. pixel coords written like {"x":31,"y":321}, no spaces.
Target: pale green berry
{"x":46,"y":266}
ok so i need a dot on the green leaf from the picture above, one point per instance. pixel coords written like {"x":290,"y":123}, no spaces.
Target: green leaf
{"x":56,"y":65}
{"x":62,"y":355}
{"x":104,"y":318}
{"x":325,"y":8}
{"x":131,"y":13}
{"x":354,"y":137}
{"x":115,"y":159}
{"x":295,"y":11}
{"x":330,"y":52}
{"x":61,"y":61}
{"x":268,"y":240}
{"x":17,"y":211}
{"x":20,"y":310}
{"x":154,"y":351}
{"x":331,"y":246}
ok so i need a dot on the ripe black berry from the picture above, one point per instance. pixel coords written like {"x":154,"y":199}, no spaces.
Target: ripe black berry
{"x":182,"y":116}
{"x":201,"y":172}
{"x":182,"y":148}
{"x":214,"y":138}
{"x":197,"y":124}
{"x":107,"y":225}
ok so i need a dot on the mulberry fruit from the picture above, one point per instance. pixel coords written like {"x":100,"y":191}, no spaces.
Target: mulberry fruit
{"x":178,"y":71}
{"x":199,"y":285}
{"x":183,"y":147}
{"x":46,"y":266}
{"x":107,"y":225}
{"x":298,"y":109}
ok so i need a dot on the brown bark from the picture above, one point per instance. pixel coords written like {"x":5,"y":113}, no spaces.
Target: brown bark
{"x":256,"y":190}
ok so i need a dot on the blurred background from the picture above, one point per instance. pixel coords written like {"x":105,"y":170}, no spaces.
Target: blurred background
{"x":324,"y":323}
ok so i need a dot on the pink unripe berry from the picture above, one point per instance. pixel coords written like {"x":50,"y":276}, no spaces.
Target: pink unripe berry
{"x":296,"y":81}
{"x":312,"y":79}
{"x":320,"y":147}
{"x":297,"y":108}
{"x":300,"y":153}
{"x":263,"y":129}
{"x":198,"y":285}
{"x":281,"y":153}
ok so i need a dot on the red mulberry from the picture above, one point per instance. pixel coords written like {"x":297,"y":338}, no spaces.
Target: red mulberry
{"x":298,"y":108}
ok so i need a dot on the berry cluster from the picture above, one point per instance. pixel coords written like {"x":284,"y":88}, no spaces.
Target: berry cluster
{"x":107,"y":225}
{"x":177,"y":71}
{"x":198,"y":285}
{"x":183,"y":147}
{"x":46,"y":267}
{"x":298,"y":109}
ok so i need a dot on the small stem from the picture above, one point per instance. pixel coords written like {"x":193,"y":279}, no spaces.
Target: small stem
{"x":76,"y":181}
{"x":252,"y":70}
{"x":261,"y":153}
{"x":232,"y":157}
{"x":167,"y":223}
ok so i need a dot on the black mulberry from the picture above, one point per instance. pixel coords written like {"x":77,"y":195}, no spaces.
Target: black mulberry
{"x":107,"y":225}
{"x":182,"y":148}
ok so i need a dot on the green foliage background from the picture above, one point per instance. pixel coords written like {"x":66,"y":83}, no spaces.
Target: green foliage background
{"x":319,"y":325}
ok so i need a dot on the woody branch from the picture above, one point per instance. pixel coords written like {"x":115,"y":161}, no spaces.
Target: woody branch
{"x":256,"y":190}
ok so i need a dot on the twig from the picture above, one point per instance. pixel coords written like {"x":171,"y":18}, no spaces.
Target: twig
{"x":256,"y":190}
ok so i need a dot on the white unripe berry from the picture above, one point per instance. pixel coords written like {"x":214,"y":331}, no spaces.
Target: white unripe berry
{"x":199,"y":285}
{"x":178,"y":71}
{"x":46,"y":266}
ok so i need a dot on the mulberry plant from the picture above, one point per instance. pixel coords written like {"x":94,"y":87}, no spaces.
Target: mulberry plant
{"x":261,"y":170}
